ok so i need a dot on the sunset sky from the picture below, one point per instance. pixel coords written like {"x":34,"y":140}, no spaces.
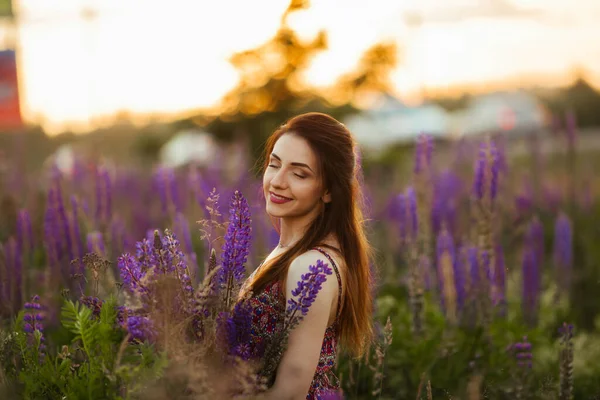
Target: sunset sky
{"x":147,"y":56}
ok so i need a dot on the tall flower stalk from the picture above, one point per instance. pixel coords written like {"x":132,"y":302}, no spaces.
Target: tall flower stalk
{"x":485,"y":190}
{"x":235,"y":249}
{"x":566,"y":363}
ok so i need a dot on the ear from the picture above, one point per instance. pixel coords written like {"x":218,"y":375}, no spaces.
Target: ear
{"x":326,"y":197}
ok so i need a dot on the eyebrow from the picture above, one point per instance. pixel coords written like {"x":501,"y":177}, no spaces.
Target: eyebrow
{"x":295,"y":164}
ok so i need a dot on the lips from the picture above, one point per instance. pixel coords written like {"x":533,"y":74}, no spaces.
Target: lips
{"x":278,"y":199}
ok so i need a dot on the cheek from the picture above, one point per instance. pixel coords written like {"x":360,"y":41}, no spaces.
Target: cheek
{"x":266,"y":181}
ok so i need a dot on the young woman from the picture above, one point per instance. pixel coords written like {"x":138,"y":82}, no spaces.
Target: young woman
{"x":313,"y":196}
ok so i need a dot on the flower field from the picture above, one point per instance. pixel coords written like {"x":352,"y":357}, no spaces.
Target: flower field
{"x":119,"y":282}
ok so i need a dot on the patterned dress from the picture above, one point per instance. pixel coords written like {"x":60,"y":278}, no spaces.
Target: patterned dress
{"x":267,"y":313}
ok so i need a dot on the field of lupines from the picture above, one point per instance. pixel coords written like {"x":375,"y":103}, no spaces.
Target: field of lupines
{"x":117,"y":282}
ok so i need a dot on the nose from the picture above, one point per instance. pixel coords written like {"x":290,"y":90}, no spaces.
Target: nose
{"x":278,"y":181}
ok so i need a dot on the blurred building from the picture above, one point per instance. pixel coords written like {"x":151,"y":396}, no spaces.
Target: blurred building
{"x":512,"y":112}
{"x":391,"y":121}
{"x":188,"y":147}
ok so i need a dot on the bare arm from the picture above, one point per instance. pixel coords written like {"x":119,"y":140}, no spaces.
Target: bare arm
{"x":299,"y":362}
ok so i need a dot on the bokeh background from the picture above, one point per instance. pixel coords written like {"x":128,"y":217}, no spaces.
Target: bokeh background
{"x":120,"y":117}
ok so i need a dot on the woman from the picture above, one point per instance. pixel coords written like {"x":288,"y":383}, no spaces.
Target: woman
{"x":313,"y":196}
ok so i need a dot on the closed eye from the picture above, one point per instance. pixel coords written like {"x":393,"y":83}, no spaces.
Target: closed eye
{"x":273,"y":166}
{"x":300,"y":176}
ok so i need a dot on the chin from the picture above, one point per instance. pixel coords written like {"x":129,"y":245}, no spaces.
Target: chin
{"x":271,"y":212}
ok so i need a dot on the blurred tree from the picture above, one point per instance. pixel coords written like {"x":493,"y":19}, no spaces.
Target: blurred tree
{"x":581,"y":97}
{"x":270,"y":87}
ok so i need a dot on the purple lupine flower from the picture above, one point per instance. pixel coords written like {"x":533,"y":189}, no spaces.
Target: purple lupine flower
{"x":473,"y":267}
{"x":32,"y":322}
{"x":51,"y":233}
{"x":411,"y":197}
{"x":140,"y":328}
{"x":494,"y":170}
{"x":182,"y":230}
{"x":108,"y":193}
{"x":163,"y":186}
{"x":95,"y":243}
{"x":63,"y":220}
{"x":499,"y":280}
{"x":78,"y":240}
{"x":237,"y":241}
{"x":479,"y":178}
{"x":14,"y":278}
{"x":447,"y":189}
{"x":175,"y":257}
{"x":531,"y":285}
{"x":117,"y":236}
{"x":534,"y":238}
{"x":147,"y":256}
{"x":131,"y":272}
{"x":306,"y":292}
{"x":93,"y":303}
{"x":563,"y":242}
{"x":24,"y":231}
{"x":235,"y":329}
{"x":446,"y":270}
{"x":401,"y":213}
{"x":423,"y":152}
{"x":103,"y":194}
{"x":427,"y":273}
{"x":486,"y":265}
{"x":522,"y":353}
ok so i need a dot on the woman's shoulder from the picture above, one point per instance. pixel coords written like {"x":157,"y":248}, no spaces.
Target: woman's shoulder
{"x":301,"y":264}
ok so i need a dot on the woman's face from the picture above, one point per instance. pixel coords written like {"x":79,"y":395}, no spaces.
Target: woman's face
{"x":292,"y":182}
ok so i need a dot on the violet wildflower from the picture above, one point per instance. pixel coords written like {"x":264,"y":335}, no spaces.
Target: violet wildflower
{"x":103,"y":194}
{"x":95,"y":243}
{"x":423,"y":153}
{"x":234,"y":329}
{"x":494,"y":170}
{"x":446,"y":191}
{"x":473,"y":267}
{"x":446,"y":268}
{"x":177,"y":261}
{"x":530,"y":285}
{"x":51,"y":232}
{"x":130,"y":270}
{"x":140,"y":328}
{"x":32,"y":325}
{"x":413,"y":219}
{"x":306,"y":292}
{"x":117,"y":236}
{"x":93,"y":303}
{"x":237,"y":245}
{"x":166,"y":185}
{"x":398,"y":214}
{"x":534,"y":238}
{"x":499,"y":281}
{"x":14,"y":279}
{"x":563,"y":250}
{"x":24,"y":231}
{"x":63,"y":221}
{"x":480,"y":173}
{"x":78,"y":250}
{"x":522,"y":353}
{"x":182,"y":230}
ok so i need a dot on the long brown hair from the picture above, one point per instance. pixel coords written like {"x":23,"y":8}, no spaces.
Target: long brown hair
{"x":343,"y":217}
